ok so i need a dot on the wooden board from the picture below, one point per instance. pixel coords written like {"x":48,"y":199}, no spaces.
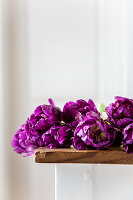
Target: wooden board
{"x":110,"y":156}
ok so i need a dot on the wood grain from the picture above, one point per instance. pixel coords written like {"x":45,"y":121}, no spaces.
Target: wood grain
{"x":110,"y":156}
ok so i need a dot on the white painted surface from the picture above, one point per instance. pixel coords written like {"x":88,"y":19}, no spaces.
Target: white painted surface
{"x":42,"y":179}
{"x":65,"y":50}
{"x":112,"y":182}
{"x":74,"y":182}
{"x":93,"y":182}
{"x":1,"y":113}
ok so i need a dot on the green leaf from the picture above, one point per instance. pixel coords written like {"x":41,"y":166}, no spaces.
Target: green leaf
{"x":71,"y":147}
{"x":102,"y":108}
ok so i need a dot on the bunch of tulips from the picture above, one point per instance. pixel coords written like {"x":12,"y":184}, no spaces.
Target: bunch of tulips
{"x":79,"y":125}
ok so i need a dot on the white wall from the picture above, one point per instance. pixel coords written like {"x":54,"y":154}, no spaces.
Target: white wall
{"x":1,"y":105}
{"x":65,"y":50}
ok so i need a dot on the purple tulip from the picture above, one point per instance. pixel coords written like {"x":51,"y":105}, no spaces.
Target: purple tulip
{"x":128,"y":138}
{"x":93,"y":132}
{"x":22,"y":142}
{"x":58,"y":136}
{"x":73,"y":112}
{"x":85,"y":107}
{"x":29,"y":136}
{"x":44,"y":117}
{"x":120,"y":113}
{"x":118,"y":138}
{"x":79,"y":144}
{"x":70,"y":112}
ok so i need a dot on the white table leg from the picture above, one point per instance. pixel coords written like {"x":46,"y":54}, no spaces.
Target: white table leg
{"x":73,"y":181}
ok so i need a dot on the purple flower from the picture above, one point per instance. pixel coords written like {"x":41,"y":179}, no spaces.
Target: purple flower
{"x":85,"y":107}
{"x":70,"y":112}
{"x":29,"y":136}
{"x":22,"y":142}
{"x":118,"y":138}
{"x":73,"y":112}
{"x":58,"y":136}
{"x":78,"y":143}
{"x":128,"y":138}
{"x":120,"y":113}
{"x":44,"y":117}
{"x":93,"y":132}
